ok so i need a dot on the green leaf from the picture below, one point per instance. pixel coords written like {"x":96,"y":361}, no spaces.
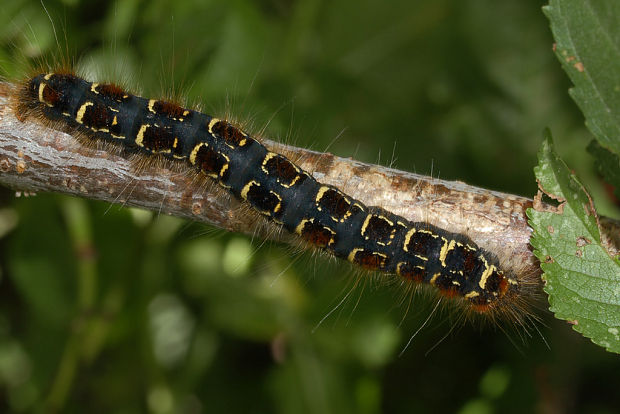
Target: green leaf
{"x":608,"y":165}
{"x":587,"y":36}
{"x":581,"y":278}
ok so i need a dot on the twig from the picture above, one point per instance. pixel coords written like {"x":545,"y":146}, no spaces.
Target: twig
{"x":35,"y":158}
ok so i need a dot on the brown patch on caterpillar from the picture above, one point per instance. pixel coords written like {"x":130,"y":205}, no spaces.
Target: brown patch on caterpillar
{"x":334,"y":203}
{"x":111,"y":91}
{"x":98,"y":117}
{"x":264,"y":200}
{"x":316,"y":234}
{"x":287,"y":174}
{"x":211,"y":162}
{"x":169,"y":109}
{"x":449,"y":292}
{"x":367,"y":259}
{"x":158,"y":139}
{"x":232,"y":135}
{"x":411,"y":272}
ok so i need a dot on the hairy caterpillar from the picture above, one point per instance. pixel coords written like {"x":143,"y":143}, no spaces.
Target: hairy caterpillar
{"x":477,"y":352}
{"x":322,"y":215}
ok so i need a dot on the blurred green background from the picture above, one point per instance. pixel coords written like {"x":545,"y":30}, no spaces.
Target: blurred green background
{"x":106,"y":309}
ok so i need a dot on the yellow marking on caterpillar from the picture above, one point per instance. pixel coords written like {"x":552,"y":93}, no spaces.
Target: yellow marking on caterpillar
{"x":42,"y":87}
{"x":269,"y":156}
{"x":140,"y":136}
{"x":320,"y":194}
{"x":175,"y":143}
{"x":472,"y":294}
{"x":485,"y":275}
{"x":434,"y":278}
{"x":48,"y":76}
{"x":194,"y":153}
{"x":80,"y":113}
{"x":225,"y":167}
{"x":351,"y":256}
{"x":279,"y":206}
{"x":211,"y":124}
{"x":246,"y":189}
{"x":408,"y":236}
{"x":151,"y":105}
{"x":301,"y":225}
{"x":445,"y":248}
{"x":365,"y":224}
{"x":93,"y":88}
{"x":292,"y":182}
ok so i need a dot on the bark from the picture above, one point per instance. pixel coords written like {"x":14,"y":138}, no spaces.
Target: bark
{"x":35,"y":158}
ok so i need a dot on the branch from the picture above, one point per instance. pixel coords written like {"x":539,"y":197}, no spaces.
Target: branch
{"x":36,"y":158}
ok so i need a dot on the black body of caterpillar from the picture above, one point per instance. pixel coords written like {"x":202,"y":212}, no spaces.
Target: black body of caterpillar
{"x":322,"y":215}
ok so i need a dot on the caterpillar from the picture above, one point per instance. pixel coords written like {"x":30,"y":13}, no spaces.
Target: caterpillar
{"x":271,"y":184}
